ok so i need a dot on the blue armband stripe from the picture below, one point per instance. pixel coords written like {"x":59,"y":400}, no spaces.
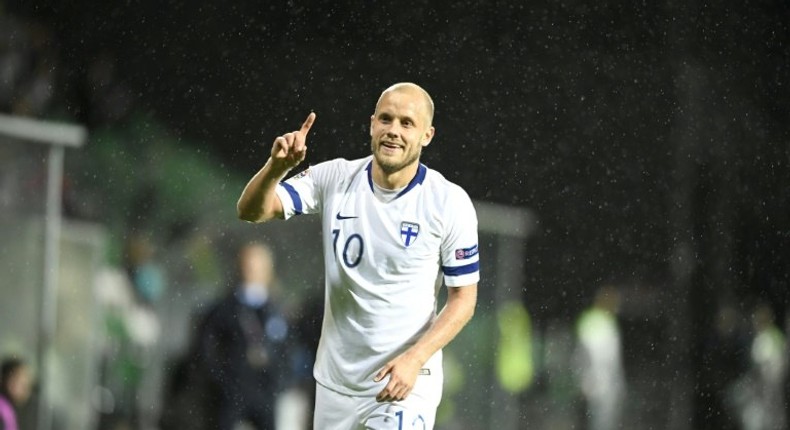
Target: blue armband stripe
{"x":461,"y":270}
{"x":294,"y":197}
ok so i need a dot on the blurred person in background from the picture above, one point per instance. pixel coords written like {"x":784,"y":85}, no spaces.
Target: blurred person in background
{"x":242,"y":346}
{"x":759,"y":394}
{"x":130,"y":352}
{"x":770,"y":358}
{"x":600,"y":362}
{"x":16,"y":384}
{"x":728,"y":346}
{"x":145,"y":272}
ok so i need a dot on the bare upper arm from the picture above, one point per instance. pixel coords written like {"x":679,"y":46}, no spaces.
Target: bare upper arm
{"x":266,"y":209}
{"x":277,"y":209}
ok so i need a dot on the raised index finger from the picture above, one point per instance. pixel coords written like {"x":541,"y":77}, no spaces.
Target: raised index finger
{"x":307,"y":124}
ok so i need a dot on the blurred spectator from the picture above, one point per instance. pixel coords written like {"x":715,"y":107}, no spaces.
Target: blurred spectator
{"x":15,"y":389}
{"x":514,"y":367}
{"x":132,"y":330}
{"x":147,"y":276}
{"x":148,"y":283}
{"x":759,"y":394}
{"x":243,"y":346}
{"x":600,"y":361}
{"x":727,"y":347}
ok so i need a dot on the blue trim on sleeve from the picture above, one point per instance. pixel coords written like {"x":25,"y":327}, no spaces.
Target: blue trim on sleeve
{"x":294,"y":197}
{"x":461,"y":270}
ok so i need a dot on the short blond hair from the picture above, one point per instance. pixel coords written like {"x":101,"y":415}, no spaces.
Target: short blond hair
{"x":410,"y":86}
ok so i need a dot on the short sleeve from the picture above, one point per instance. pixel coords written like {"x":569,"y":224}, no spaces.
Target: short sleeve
{"x":460,"y":258}
{"x":303,"y":192}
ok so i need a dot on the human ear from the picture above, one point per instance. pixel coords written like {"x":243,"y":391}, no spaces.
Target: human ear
{"x":428,"y":136}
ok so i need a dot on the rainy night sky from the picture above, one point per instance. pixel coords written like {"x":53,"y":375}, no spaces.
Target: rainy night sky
{"x":636,"y":131}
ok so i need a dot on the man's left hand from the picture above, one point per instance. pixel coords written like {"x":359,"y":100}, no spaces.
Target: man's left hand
{"x":403,"y":371}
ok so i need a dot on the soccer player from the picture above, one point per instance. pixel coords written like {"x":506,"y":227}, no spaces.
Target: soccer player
{"x":393,"y":229}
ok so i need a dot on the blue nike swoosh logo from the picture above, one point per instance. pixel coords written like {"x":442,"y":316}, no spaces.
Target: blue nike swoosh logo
{"x":341,"y":217}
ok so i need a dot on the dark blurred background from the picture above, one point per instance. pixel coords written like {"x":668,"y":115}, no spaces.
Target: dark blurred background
{"x":630,"y":128}
{"x":650,"y":139}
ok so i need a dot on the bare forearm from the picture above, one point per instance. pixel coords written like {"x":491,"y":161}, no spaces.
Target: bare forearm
{"x":258,"y":201}
{"x":454,"y":316}
{"x":404,"y":368}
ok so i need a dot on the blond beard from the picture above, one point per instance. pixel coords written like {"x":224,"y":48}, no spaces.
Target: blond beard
{"x":390,"y":168}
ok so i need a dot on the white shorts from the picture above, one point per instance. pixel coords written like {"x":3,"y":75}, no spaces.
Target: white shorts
{"x":336,"y":411}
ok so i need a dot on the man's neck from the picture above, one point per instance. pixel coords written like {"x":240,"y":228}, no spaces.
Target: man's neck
{"x":394,"y":180}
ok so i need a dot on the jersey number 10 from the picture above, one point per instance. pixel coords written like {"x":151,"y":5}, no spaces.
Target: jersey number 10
{"x":353,"y":248}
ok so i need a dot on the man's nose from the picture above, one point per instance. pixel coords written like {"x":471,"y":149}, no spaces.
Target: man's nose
{"x":394,"y":129}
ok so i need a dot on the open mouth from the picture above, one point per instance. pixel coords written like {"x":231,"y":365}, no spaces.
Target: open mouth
{"x":390,"y":145}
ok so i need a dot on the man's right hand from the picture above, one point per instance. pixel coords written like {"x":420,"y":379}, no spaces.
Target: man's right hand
{"x":290,"y":149}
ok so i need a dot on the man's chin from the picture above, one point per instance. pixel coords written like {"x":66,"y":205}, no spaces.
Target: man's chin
{"x":386,"y":164}
{"x":390,"y":165}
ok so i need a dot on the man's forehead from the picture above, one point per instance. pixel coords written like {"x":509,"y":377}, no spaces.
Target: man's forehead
{"x":409,"y":99}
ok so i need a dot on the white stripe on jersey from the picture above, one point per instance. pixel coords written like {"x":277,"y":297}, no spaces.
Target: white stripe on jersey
{"x":382,"y":263}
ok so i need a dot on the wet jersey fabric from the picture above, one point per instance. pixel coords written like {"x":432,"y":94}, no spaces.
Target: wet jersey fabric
{"x":385,"y":259}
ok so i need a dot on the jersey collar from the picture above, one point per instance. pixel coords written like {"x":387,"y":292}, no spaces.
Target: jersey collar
{"x":416,"y":180}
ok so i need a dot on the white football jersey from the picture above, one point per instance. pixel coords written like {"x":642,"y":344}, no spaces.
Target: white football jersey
{"x":383,"y":261}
